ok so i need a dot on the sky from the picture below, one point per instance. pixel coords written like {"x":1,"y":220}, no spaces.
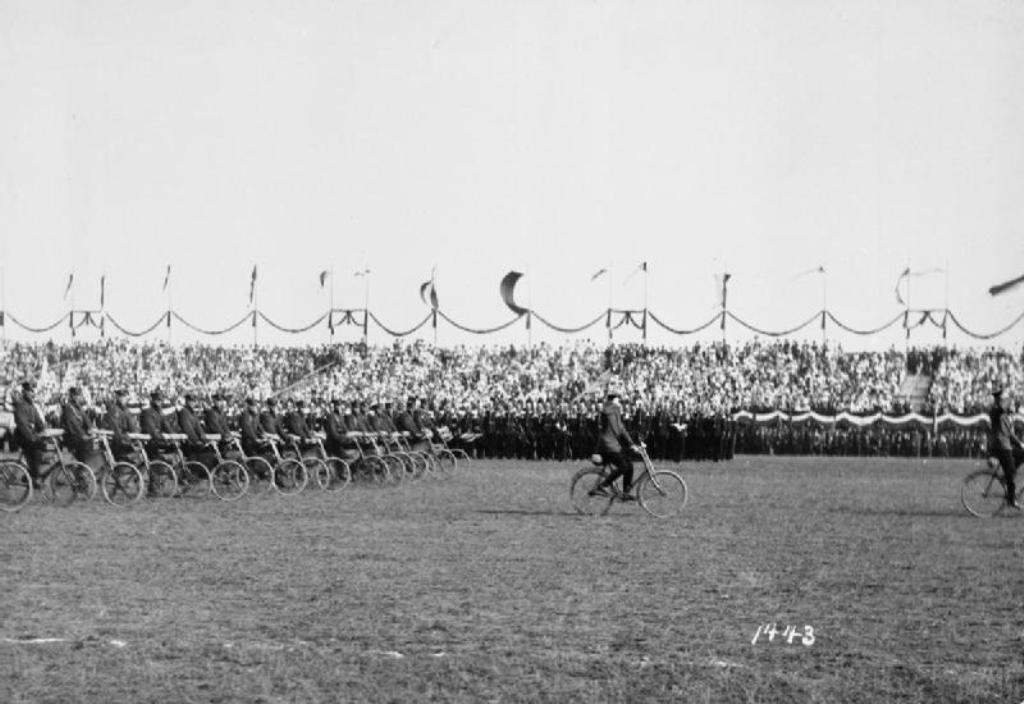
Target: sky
{"x":468,"y":139}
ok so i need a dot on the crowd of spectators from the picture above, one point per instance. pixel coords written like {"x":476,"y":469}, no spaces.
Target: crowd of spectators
{"x":542,"y":383}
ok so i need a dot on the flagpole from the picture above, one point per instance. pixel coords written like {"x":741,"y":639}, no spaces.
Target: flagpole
{"x":366,"y":309}
{"x":725,"y":296}
{"x":255,"y":306}
{"x":824,"y":305}
{"x":330,"y":311}
{"x":610,"y":298}
{"x":945,"y":341}
{"x":3,"y":306}
{"x":529,"y":305}
{"x":906,"y":315}
{"x":72,"y":320}
{"x":644,"y":331}
{"x":167,"y":280}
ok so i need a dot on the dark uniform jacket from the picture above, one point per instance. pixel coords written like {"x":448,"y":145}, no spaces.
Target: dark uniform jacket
{"x":77,"y":427}
{"x":335,"y":428}
{"x":295,"y":423}
{"x":27,"y":423}
{"x":271,"y":423}
{"x":119,"y":421}
{"x":613,"y":433}
{"x":406,"y":423}
{"x":153,"y":423}
{"x":250,"y":430}
{"x":1002,"y":434}
{"x":191,"y":427}
{"x":216,"y":423}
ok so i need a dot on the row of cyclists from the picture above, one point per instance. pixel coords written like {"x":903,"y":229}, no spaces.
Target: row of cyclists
{"x":341,"y":428}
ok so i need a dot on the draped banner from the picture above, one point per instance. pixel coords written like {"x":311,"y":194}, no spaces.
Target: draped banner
{"x":910,"y":419}
{"x":610,"y":318}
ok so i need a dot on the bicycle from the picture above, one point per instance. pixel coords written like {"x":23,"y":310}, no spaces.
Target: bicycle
{"x":121,"y":483}
{"x":193,"y":477}
{"x":161,"y":479}
{"x":332,"y":473}
{"x":983,"y":492}
{"x":367,"y":465}
{"x":67,"y":480}
{"x":288,"y":476}
{"x":229,"y":480}
{"x":660,"y":492}
{"x":15,"y":486}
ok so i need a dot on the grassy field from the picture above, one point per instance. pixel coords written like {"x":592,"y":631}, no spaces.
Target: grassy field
{"x":485,"y":586}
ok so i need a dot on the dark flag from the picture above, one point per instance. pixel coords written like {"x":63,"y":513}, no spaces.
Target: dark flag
{"x":1006,"y":286}
{"x":252,"y":288}
{"x":428,"y":289}
{"x":507,"y":289}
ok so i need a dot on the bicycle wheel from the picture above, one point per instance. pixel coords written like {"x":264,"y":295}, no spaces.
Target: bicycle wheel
{"x":662,"y":493}
{"x":338,"y":474}
{"x":67,"y":482}
{"x":260,"y":474}
{"x":290,"y":477}
{"x":229,"y":481}
{"x":317,"y":472}
{"x":15,"y":486}
{"x":433,"y":469}
{"x":420,"y":465}
{"x":122,"y":484}
{"x":583,"y":483}
{"x":446,"y":460}
{"x":196,"y":479}
{"x":983,"y":493}
{"x":163,"y":481}
{"x":376,"y":470}
{"x":396,"y":468}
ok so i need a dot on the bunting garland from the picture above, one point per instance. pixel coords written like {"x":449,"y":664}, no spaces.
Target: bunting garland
{"x":608,"y":318}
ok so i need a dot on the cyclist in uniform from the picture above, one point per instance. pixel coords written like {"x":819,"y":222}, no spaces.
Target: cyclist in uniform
{"x":28,"y":425}
{"x":1005,"y":445}
{"x":613,"y":435}
{"x":78,"y":426}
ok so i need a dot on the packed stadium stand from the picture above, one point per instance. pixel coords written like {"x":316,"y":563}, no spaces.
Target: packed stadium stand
{"x":529,"y":401}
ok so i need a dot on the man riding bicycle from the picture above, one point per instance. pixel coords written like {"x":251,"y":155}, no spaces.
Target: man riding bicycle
{"x":613,"y":436}
{"x":1005,"y":445}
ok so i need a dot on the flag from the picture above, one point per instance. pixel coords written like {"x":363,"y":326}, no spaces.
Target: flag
{"x":813,"y":270}
{"x":1006,"y":286}
{"x":642,"y":267}
{"x":323,"y":277}
{"x":252,"y":287}
{"x":507,"y":289}
{"x":67,"y":290}
{"x":167,"y":277}
{"x":428,"y":288}
{"x":722,"y":288}
{"x":906,"y":273}
{"x":103,"y":286}
{"x":903,"y":274}
{"x":598,"y":274}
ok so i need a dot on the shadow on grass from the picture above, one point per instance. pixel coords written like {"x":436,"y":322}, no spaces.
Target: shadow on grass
{"x":524,"y":512}
{"x":903,"y":511}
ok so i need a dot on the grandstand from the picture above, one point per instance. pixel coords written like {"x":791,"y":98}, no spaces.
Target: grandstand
{"x":514,"y":396}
